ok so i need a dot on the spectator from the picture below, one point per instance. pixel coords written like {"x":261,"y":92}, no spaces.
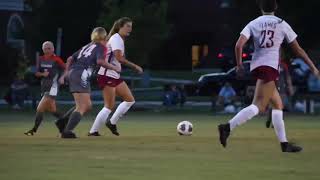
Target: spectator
{"x":171,"y":95}
{"x":19,"y":92}
{"x":226,"y":95}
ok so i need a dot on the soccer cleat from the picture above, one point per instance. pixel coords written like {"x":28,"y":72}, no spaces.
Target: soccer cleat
{"x":224,"y":133}
{"x":30,"y":132}
{"x":113,"y":128}
{"x":290,"y":147}
{"x":268,"y":124}
{"x":94,"y":134}
{"x":68,"y":135}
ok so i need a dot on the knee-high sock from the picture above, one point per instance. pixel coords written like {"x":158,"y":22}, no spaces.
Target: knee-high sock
{"x":278,"y":124}
{"x":121,"y":110}
{"x":243,"y":116}
{"x":73,"y":121}
{"x":100,"y":119}
{"x":65,"y":117}
{"x":69,"y":112}
{"x":38,"y":120}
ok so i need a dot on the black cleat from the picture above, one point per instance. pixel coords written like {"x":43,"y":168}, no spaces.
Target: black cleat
{"x":113,"y":128}
{"x":290,"y":147}
{"x":269,"y":124}
{"x":30,"y":132}
{"x":94,"y":134}
{"x":68,"y":135}
{"x":61,"y":124}
{"x":224,"y":133}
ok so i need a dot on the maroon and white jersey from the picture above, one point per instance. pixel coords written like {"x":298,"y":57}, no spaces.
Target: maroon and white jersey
{"x":268,"y":32}
{"x":115,"y":43}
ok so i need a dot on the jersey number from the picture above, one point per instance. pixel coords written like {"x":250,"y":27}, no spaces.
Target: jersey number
{"x":267,"y":39}
{"x":86,"y":51}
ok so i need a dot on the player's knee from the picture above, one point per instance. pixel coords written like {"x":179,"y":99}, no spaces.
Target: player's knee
{"x":130,"y":103}
{"x":130,"y":99}
{"x":109,"y":106}
{"x":40,"y":108}
{"x":262,"y":108}
{"x":88,"y":107}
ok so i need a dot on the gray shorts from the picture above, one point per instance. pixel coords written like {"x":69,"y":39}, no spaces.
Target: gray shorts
{"x":79,"y":81}
{"x":50,"y":88}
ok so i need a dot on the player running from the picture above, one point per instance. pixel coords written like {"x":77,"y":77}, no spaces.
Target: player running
{"x":111,"y":83}
{"x":268,"y":33}
{"x":48,"y":68}
{"x":79,"y":69}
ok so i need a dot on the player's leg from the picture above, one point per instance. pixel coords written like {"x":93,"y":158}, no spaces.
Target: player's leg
{"x":269,"y":115}
{"x":278,"y":123}
{"x":109,"y":94}
{"x":52,"y":108}
{"x":62,"y":122}
{"x":83,"y":104}
{"x":124,"y":92}
{"x":62,"y":119}
{"x":269,"y":118}
{"x":42,"y":107}
{"x":263,"y":93}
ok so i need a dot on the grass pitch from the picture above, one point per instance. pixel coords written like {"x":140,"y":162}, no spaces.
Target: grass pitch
{"x":149,"y":148}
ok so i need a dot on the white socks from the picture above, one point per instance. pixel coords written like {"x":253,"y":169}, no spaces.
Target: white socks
{"x":278,"y":124}
{"x":249,"y":112}
{"x":100,"y":119}
{"x":121,"y":110}
{"x":243,"y":116}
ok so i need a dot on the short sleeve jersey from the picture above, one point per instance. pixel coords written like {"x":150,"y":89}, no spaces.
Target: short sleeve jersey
{"x":268,"y":33}
{"x":115,"y":43}
{"x":52,"y":64}
{"x":88,"y":55}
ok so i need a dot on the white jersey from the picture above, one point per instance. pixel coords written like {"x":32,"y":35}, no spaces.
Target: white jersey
{"x":268,"y":33}
{"x":115,"y":43}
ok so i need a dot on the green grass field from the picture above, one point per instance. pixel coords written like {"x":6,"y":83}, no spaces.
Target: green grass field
{"x":149,"y":148}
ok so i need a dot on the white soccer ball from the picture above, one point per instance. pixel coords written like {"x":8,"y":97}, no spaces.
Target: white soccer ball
{"x":185,"y":128}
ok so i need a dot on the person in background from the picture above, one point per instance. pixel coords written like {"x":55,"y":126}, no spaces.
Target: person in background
{"x":19,"y":93}
{"x":49,"y":68}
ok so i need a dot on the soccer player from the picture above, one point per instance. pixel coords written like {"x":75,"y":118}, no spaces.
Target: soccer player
{"x":110,"y":81}
{"x":79,"y":69}
{"x":48,"y":68}
{"x":267,"y":32}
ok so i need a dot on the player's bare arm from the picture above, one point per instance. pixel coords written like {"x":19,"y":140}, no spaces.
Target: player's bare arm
{"x":107,"y":65}
{"x":124,"y":61}
{"x":302,"y":54}
{"x":238,"y":52}
{"x":68,"y":64}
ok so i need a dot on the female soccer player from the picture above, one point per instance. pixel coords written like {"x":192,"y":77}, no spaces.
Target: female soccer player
{"x":48,"y":69}
{"x":110,"y":81}
{"x":79,"y":69}
{"x":267,"y":32}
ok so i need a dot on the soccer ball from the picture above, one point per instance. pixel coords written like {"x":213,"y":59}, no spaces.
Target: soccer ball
{"x":185,"y":128}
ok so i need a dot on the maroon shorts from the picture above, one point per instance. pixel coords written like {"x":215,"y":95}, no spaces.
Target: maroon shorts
{"x":265,"y":73}
{"x":108,"y":81}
